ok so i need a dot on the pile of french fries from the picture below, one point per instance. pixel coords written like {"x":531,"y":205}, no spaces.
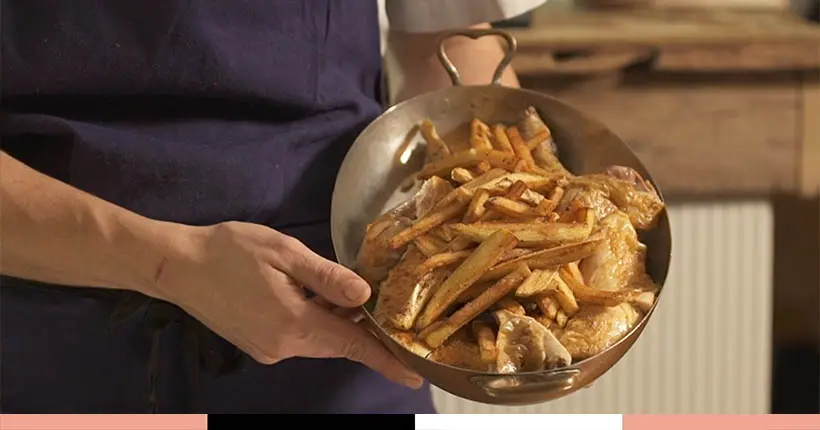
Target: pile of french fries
{"x":496,"y":241}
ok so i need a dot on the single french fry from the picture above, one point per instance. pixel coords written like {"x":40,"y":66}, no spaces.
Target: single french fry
{"x":586,"y":294}
{"x":433,"y":219}
{"x":509,"y":304}
{"x":511,"y":208}
{"x":476,"y":265}
{"x":547,"y":305}
{"x":490,"y":176}
{"x":514,"y":253}
{"x":564,"y":296}
{"x":436,"y":147}
{"x":460,"y":243}
{"x":514,"y":192}
{"x":561,"y":318}
{"x":468,"y":158}
{"x":441,"y":260}
{"x":575,"y":271}
{"x":531,"y":234}
{"x":521,"y":166}
{"x":545,"y":259}
{"x":429,"y":245}
{"x":471,"y":293}
{"x":538,"y":139}
{"x":435,"y":335}
{"x":500,"y":184}
{"x":540,"y":282}
{"x":479,"y":135}
{"x":519,"y":146}
{"x":409,"y":340}
{"x":485,"y":337}
{"x":483,"y":167}
{"x":461,"y":175}
{"x":476,"y":208}
{"x":501,"y":140}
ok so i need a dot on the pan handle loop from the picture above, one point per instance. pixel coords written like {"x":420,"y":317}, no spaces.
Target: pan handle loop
{"x":509,"y":51}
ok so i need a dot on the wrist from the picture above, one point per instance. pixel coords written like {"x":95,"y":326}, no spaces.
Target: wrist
{"x":144,"y":246}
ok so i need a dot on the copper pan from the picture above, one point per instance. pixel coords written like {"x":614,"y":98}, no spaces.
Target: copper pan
{"x":370,"y":182}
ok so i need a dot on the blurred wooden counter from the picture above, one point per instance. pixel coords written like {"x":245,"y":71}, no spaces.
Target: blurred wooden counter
{"x":716,"y":102}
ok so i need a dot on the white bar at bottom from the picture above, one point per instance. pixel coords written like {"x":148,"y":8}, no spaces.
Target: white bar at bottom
{"x":519,"y":422}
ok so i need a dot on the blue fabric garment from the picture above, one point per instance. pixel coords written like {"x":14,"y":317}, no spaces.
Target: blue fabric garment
{"x":193,"y":111}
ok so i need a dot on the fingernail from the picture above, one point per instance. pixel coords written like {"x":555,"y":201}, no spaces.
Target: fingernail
{"x":356,"y":294}
{"x":413,"y":383}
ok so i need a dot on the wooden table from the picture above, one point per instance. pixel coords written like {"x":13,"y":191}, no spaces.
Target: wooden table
{"x":717,"y":103}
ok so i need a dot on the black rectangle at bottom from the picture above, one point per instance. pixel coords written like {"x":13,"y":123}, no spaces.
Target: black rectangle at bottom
{"x":272,"y":422}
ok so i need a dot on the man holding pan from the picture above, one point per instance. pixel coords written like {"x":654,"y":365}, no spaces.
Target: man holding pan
{"x":166,"y":179}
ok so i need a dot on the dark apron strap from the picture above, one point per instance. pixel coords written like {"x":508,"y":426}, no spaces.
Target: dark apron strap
{"x":198,"y":351}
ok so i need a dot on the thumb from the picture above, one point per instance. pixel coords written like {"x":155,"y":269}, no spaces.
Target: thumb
{"x":336,"y":283}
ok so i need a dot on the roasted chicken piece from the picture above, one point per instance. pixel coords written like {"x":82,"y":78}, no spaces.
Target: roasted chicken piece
{"x":625,"y":187}
{"x":547,"y":160}
{"x":460,"y":350}
{"x":431,"y":192}
{"x":404,"y":293}
{"x":618,"y":261}
{"x":596,"y":328}
{"x":524,"y":345}
{"x":375,"y":257}
{"x":588,"y":197}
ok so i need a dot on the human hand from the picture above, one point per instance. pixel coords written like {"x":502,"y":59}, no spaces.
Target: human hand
{"x":245,"y":282}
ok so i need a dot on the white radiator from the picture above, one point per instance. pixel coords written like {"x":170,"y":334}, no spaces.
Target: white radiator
{"x":707,"y":348}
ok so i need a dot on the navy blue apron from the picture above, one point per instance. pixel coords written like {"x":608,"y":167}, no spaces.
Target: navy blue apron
{"x":193,"y":111}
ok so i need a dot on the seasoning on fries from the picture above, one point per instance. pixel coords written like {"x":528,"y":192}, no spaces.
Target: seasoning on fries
{"x":512,"y":253}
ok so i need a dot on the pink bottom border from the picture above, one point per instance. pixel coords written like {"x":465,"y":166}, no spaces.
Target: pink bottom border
{"x":721,"y":422}
{"x":103,"y":422}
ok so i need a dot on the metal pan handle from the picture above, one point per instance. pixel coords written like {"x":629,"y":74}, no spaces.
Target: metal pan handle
{"x":523,"y":385}
{"x":511,"y":46}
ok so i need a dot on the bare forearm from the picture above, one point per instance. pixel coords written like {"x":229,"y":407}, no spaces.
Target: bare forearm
{"x":52,"y":232}
{"x":414,"y":68}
